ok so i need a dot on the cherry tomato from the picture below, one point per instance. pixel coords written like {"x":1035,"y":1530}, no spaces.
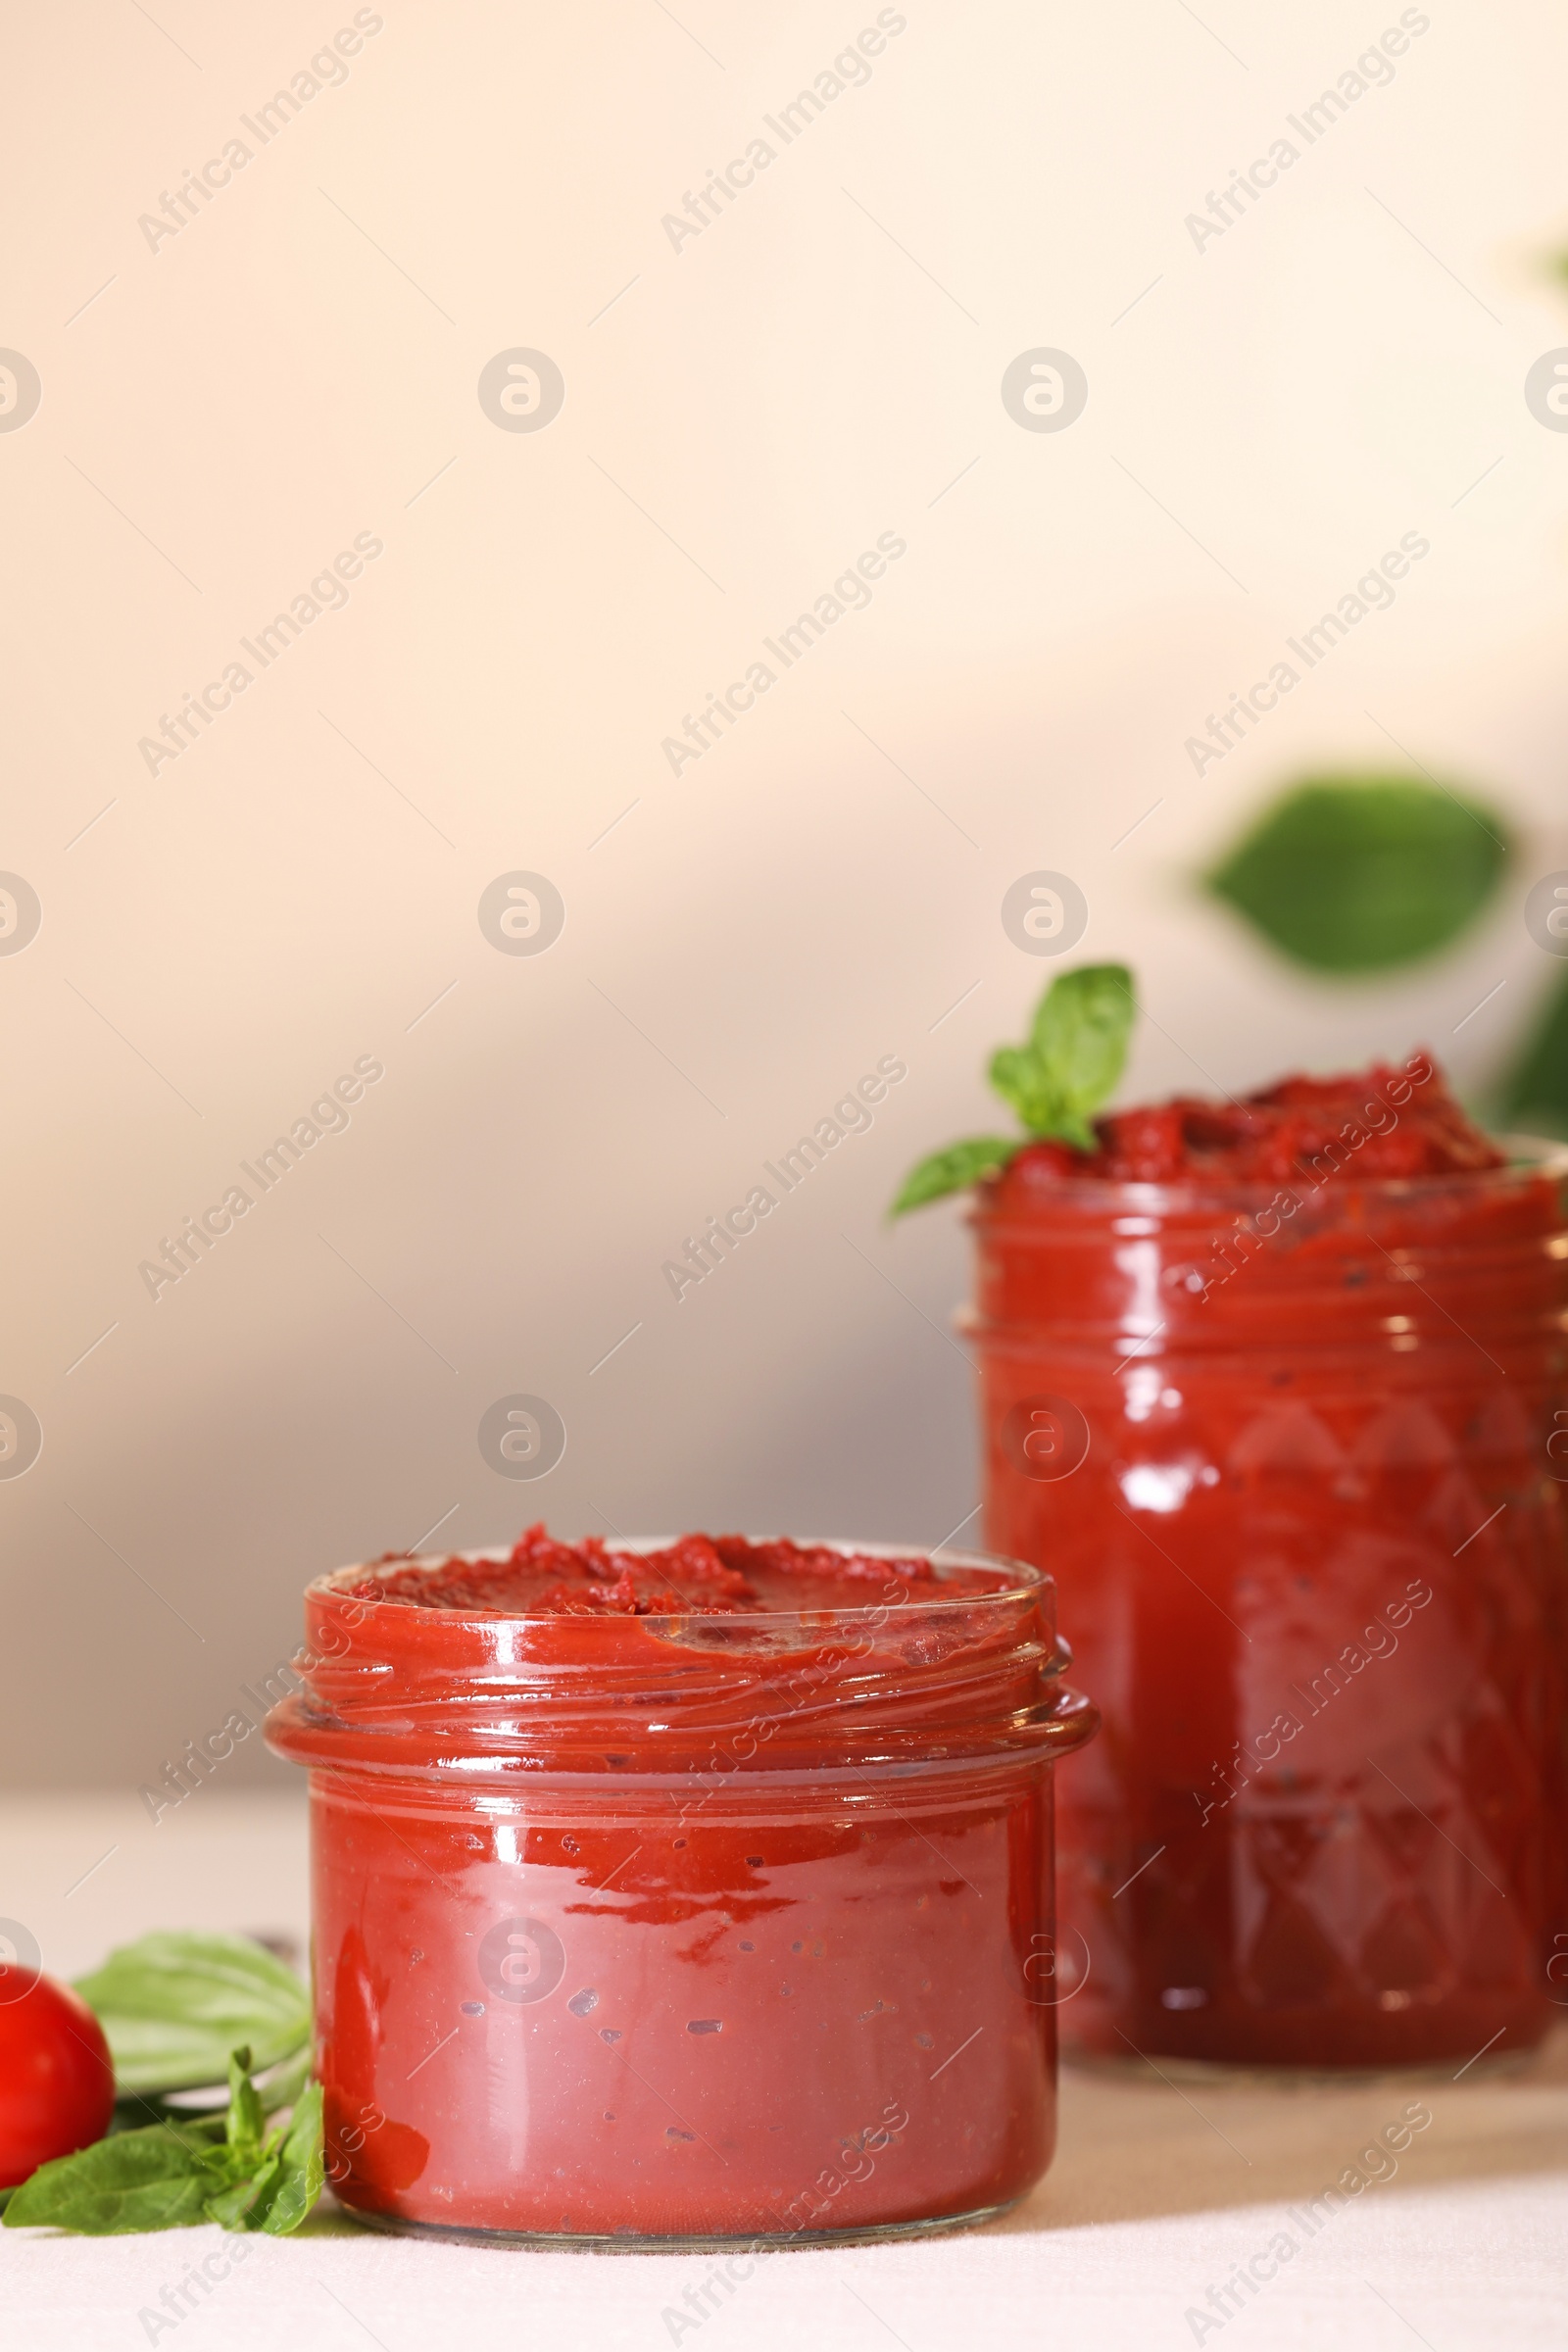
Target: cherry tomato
{"x":57,"y":2078}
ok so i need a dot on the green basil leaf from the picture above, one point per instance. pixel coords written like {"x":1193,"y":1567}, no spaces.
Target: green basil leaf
{"x":1356,"y":874}
{"x":233,"y":2206}
{"x":282,"y":2087}
{"x":155,"y":2180}
{"x":1074,"y":1055}
{"x":203,"y":2111}
{"x":1533,"y":1096}
{"x":284,"y":2197}
{"x":173,"y":2006}
{"x":198,"y":2124}
{"x":1019,"y":1080}
{"x":245,"y":2122}
{"x":227,"y":2208}
{"x":950,"y":1170}
{"x":166,"y":2178}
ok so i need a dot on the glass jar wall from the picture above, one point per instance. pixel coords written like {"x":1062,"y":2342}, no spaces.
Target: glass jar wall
{"x":1291,"y":1462}
{"x":677,"y":1929}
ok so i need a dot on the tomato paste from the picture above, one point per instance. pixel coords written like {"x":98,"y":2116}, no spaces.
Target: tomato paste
{"x":1395,"y":1122}
{"x":1276,"y":1389}
{"x":707,"y":1576}
{"x":683,"y":1891}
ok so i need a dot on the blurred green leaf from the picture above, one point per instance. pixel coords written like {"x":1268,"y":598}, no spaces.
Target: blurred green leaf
{"x":950,"y":1170}
{"x":173,"y":2006}
{"x":1533,"y":1096}
{"x":1359,"y":874}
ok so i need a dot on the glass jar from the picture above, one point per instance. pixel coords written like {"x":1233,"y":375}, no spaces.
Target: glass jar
{"x":1288,"y":1455}
{"x":684,"y":1928}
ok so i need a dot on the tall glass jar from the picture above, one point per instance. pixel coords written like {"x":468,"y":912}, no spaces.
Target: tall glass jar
{"x":675,"y":1929}
{"x":1290,"y":1459}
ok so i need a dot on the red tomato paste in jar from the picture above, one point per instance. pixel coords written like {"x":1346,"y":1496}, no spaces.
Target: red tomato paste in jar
{"x":681,"y":1892}
{"x":703,"y":1576}
{"x":1273,"y":1388}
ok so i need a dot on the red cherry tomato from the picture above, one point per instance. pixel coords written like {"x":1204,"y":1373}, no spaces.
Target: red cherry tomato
{"x":57,"y":2078}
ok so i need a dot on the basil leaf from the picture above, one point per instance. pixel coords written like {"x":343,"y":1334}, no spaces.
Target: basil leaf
{"x":203,"y":2111}
{"x":1074,"y":1055}
{"x":1533,"y":1096}
{"x":228,"y":2207}
{"x":286,"y":2196}
{"x":244,"y":2122}
{"x":232,"y":2205}
{"x":166,"y":2178}
{"x":173,"y":2006}
{"x":950,"y":1170}
{"x":155,"y":2180}
{"x":282,"y":2087}
{"x":1354,"y":874}
{"x":199,"y":2124}
{"x":1067,"y":1067}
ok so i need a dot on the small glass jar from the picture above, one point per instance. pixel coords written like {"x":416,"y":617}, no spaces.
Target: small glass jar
{"x":1291,"y":1459}
{"x":674,"y":1930}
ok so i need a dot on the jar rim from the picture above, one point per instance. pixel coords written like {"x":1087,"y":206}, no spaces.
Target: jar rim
{"x":476,"y":1695}
{"x":1024,"y":1582}
{"x":1529,"y":1156}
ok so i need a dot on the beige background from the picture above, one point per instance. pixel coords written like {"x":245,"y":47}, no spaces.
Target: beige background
{"x":299,"y":365}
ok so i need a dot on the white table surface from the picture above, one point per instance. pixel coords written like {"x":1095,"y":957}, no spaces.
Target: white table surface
{"x":1159,"y":2191}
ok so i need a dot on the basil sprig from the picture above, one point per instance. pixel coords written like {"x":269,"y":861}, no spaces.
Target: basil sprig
{"x":227,"y":2168}
{"x":1066,"y":1067}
